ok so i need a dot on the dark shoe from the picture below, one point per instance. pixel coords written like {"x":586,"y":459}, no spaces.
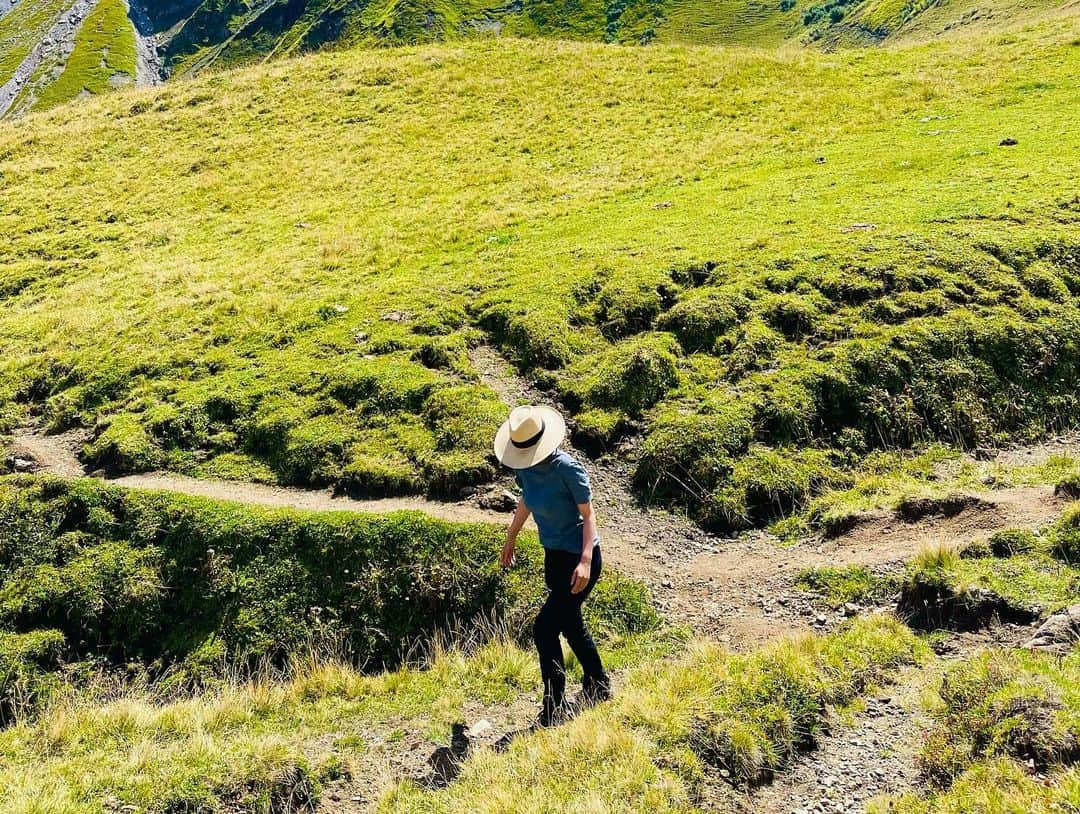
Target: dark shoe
{"x":552,"y":713}
{"x":595,"y":690}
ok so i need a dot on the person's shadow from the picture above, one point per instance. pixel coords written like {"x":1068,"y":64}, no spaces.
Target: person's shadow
{"x":445,"y":763}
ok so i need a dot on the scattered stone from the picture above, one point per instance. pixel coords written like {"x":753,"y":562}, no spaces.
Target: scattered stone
{"x":1059,"y":633}
{"x":498,"y":500}
{"x":851,"y":609}
{"x":667,"y":584}
{"x":1008,"y":142}
{"x":479,"y":728}
{"x":22,"y":465}
{"x":859,"y":227}
{"x":467,"y":492}
{"x":821,"y":620}
{"x":397,"y":316}
{"x":663,"y":205}
{"x":985,"y":454}
{"x":819,"y":160}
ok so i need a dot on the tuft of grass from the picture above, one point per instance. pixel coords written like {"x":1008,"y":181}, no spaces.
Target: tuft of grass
{"x":995,"y":787}
{"x":841,"y":585}
{"x":945,"y":588}
{"x":1064,"y":535}
{"x":1017,"y":704}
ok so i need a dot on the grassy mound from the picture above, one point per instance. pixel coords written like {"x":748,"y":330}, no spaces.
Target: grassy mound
{"x":361,"y":243}
{"x":650,"y":749}
{"x":1015,"y":704}
{"x":943,"y":589}
{"x":999,"y":715}
{"x":997,"y":787}
{"x":104,"y":573}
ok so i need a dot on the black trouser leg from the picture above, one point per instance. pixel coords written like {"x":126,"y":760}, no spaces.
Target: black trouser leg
{"x":546,"y":637}
{"x":561,"y":613}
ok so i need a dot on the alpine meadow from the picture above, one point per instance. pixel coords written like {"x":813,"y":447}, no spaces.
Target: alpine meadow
{"x":803,"y":279}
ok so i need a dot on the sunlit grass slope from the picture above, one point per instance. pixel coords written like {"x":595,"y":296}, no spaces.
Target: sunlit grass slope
{"x":772,"y":263}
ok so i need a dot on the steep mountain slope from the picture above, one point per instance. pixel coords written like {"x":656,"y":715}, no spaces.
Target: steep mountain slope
{"x":52,"y":51}
{"x":37,"y":37}
{"x":756,"y":269}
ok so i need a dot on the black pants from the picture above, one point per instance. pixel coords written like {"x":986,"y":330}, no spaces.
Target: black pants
{"x":561,"y":614}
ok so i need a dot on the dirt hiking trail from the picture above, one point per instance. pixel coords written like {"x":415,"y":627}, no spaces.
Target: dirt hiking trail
{"x":739,"y":590}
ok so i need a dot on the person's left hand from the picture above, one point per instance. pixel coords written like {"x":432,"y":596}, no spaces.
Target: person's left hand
{"x":580,"y":578}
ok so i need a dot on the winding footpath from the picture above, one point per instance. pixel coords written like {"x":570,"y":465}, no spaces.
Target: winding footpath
{"x":737,"y":590}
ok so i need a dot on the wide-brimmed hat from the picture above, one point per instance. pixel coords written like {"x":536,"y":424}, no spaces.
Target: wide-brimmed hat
{"x":529,"y":436}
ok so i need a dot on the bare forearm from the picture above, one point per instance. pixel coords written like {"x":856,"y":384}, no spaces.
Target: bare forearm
{"x":588,"y":535}
{"x":521,"y":514}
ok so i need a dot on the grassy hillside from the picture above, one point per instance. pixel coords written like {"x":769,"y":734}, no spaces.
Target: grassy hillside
{"x":232,"y":32}
{"x":772,"y":268}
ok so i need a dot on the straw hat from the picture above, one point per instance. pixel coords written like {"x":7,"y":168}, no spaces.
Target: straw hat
{"x":529,"y":436}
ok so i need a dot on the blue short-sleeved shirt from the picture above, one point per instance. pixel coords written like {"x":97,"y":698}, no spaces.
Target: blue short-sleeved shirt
{"x":552,"y":490}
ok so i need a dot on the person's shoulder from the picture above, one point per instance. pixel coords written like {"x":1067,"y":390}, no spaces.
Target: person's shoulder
{"x":566,"y":462}
{"x":561,"y":458}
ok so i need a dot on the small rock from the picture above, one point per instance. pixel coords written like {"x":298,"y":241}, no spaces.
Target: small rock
{"x":667,"y":584}
{"x":498,"y":500}
{"x":820,"y":620}
{"x":1008,"y":142}
{"x":985,"y":454}
{"x":479,"y":728}
{"x":467,"y":492}
{"x":335,"y":797}
{"x":663,"y":205}
{"x":851,"y":609}
{"x":397,"y":316}
{"x":819,"y":160}
{"x":23,"y":465}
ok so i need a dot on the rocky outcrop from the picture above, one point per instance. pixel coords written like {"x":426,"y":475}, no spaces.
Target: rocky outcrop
{"x":1058,"y":634}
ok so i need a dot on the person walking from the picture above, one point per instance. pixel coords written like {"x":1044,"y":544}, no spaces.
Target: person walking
{"x":555,"y":491}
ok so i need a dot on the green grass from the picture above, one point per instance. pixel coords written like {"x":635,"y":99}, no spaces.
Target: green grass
{"x":103,"y":58}
{"x":22,"y":28}
{"x":997,"y":787}
{"x":1013,"y":575}
{"x":335,"y":230}
{"x":248,"y":745}
{"x":996,"y":716}
{"x":652,"y":747}
{"x":852,"y":583}
{"x":111,"y":571}
{"x":888,"y":480}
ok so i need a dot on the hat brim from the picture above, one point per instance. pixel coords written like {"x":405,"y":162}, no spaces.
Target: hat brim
{"x":517,"y":458}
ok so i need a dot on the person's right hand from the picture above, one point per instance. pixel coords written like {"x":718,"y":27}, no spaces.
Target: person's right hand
{"x":506,"y":559}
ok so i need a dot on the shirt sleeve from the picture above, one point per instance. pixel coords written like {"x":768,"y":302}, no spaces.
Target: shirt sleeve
{"x":577,"y":481}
